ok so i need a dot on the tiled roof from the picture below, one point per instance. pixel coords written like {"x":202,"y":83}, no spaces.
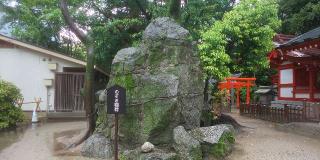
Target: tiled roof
{"x":312,"y":34}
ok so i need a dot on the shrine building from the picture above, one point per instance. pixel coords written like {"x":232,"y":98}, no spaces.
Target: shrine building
{"x":297,"y":61}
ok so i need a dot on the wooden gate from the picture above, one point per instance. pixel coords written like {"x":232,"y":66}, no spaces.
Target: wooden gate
{"x":67,"y":92}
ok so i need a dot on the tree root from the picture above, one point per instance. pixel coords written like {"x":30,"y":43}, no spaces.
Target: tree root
{"x":226,"y":119}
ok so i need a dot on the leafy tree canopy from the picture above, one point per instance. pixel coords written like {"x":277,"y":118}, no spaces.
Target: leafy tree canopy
{"x":241,"y":40}
{"x":114,"y":24}
{"x":299,"y":16}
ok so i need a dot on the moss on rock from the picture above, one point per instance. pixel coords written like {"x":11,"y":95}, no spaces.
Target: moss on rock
{"x":224,"y":146}
{"x":157,"y":77}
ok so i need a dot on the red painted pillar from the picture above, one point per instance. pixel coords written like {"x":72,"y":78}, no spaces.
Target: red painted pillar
{"x":248,"y":92}
{"x":238,"y":97}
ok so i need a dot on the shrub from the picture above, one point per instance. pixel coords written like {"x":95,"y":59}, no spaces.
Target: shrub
{"x":223,"y":147}
{"x":9,"y":113}
{"x":219,"y":103}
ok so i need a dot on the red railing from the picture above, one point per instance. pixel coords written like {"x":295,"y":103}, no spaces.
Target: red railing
{"x":284,"y":113}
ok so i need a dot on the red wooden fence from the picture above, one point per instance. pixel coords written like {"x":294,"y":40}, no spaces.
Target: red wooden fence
{"x":288,"y":113}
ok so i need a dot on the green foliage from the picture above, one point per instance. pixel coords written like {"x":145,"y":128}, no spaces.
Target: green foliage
{"x":197,"y":15}
{"x":222,"y":148}
{"x":196,"y":154}
{"x":123,"y":157}
{"x":9,"y":113}
{"x":243,"y":94}
{"x":40,"y":22}
{"x":174,"y":9}
{"x":126,"y":81}
{"x":299,"y":16}
{"x":241,"y":40}
{"x":114,"y":24}
{"x":213,"y":54}
{"x":220,"y":101}
{"x":111,"y":37}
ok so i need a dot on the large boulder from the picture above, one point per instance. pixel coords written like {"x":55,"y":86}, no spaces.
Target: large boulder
{"x":187,"y":147}
{"x":216,"y":141}
{"x":97,"y":146}
{"x":165,"y":28}
{"x":211,"y":134}
{"x":164,"y":85}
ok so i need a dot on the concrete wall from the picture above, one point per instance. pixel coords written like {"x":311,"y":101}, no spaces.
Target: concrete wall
{"x":27,"y":69}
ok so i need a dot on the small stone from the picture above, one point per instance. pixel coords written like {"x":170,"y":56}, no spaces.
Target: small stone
{"x":147,"y":147}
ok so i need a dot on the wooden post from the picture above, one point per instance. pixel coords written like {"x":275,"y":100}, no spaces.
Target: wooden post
{"x":311,"y":84}
{"x":116,"y":136}
{"x":286,"y":113}
{"x":248,"y":92}
{"x":20,"y":102}
{"x":37,"y":101}
{"x":304,"y":111}
{"x":116,"y":104}
{"x":238,"y":97}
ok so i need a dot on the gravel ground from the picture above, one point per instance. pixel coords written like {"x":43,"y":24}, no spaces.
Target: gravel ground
{"x":262,"y":141}
{"x":36,"y":143}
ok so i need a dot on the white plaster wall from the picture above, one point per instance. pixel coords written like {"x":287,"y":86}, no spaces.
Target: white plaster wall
{"x":286,"y":76}
{"x":286,"y":92}
{"x":27,"y":69}
{"x":302,"y":95}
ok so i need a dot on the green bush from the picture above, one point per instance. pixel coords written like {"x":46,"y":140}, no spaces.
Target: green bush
{"x":9,"y":113}
{"x":223,"y":147}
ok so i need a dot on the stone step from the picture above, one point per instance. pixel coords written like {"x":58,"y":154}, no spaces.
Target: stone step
{"x":52,"y":115}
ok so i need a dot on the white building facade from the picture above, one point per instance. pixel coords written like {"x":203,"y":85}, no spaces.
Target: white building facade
{"x":32,"y":69}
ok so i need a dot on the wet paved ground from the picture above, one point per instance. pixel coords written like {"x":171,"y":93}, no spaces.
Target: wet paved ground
{"x":265,"y":142}
{"x":261,"y":142}
{"x":11,"y":136}
{"x":35,"y":142}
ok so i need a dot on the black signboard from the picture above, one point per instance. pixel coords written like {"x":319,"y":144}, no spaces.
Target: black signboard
{"x":116,"y":104}
{"x":116,"y":100}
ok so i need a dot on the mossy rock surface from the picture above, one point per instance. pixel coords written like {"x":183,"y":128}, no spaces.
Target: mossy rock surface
{"x":164,"y":84}
{"x":216,"y":141}
{"x":221,"y":149}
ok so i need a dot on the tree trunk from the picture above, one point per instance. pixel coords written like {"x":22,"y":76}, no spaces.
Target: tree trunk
{"x":174,"y":9}
{"x":89,"y":75}
{"x":206,"y":91}
{"x":89,"y":99}
{"x":89,"y":88}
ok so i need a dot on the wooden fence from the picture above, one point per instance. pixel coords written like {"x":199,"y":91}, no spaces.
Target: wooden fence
{"x":67,"y":92}
{"x":287,"y":113}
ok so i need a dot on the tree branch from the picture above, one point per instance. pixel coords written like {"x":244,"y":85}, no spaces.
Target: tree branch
{"x":105,"y":14}
{"x":174,"y":9}
{"x":68,"y":19}
{"x":144,"y":12}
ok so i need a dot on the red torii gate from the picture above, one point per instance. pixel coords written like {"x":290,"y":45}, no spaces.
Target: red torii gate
{"x":238,"y":83}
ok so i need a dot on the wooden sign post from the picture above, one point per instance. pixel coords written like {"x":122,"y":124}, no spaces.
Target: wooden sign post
{"x":116,"y":104}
